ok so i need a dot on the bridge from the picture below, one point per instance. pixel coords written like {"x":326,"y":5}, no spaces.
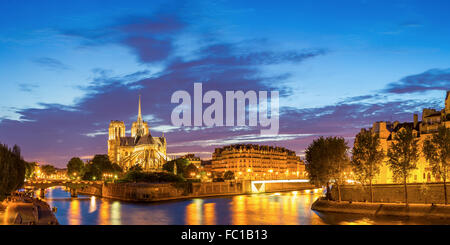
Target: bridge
{"x":72,"y":185}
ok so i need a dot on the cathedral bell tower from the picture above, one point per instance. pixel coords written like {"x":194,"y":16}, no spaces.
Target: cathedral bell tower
{"x":116,"y":131}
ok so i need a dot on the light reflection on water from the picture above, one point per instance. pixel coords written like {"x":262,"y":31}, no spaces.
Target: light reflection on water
{"x":289,"y":208}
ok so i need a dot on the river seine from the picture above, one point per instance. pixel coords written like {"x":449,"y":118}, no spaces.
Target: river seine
{"x":287,"y":208}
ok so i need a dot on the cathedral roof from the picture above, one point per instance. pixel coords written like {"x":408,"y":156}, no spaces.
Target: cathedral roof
{"x":141,"y":140}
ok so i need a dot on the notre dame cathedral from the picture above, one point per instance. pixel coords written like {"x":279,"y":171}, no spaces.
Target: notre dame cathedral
{"x":140,"y":149}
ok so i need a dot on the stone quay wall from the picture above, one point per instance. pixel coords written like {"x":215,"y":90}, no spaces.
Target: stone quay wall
{"x":143,"y":191}
{"x":90,"y":190}
{"x":388,"y":209}
{"x":216,"y":188}
{"x":274,"y":187}
{"x":148,"y":192}
{"x":394,"y":193}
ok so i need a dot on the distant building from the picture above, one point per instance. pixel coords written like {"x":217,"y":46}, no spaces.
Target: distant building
{"x":192,"y":159}
{"x":140,"y":149}
{"x":431,"y":120}
{"x":249,"y":161}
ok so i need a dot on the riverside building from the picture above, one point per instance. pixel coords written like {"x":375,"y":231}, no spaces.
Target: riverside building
{"x":248,"y":161}
{"x":430,"y":121}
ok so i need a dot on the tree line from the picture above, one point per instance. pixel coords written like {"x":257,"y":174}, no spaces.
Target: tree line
{"x":328,"y":158}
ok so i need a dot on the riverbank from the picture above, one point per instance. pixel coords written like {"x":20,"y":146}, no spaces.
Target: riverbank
{"x":155,"y":192}
{"x":383,"y":209}
{"x":24,"y":210}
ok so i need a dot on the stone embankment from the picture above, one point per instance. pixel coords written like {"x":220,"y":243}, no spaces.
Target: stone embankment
{"x":383,"y":209}
{"x":151,"y":192}
{"x":422,"y":193}
{"x":24,"y":210}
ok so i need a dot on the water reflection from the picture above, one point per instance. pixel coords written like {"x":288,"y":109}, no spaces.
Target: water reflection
{"x":115,"y":213}
{"x":104,"y":213}
{"x":74,"y":214}
{"x":258,"y":209}
{"x":92,"y":205}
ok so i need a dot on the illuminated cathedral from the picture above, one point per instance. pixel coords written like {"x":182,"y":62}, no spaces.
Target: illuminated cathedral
{"x":141,"y":148}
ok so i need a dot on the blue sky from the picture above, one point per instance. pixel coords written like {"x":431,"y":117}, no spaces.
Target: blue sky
{"x":80,"y":58}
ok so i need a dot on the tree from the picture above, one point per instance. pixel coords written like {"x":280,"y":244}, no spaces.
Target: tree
{"x":136,"y":167}
{"x":100,"y":165}
{"x":75,"y":167}
{"x":48,"y":170}
{"x":228,"y":175}
{"x":190,"y":171}
{"x":91,"y":172}
{"x":327,"y":158}
{"x":181,"y":164}
{"x":12,"y":170}
{"x":402,"y":156}
{"x":30,"y":168}
{"x":367,"y":157}
{"x":437,"y":152}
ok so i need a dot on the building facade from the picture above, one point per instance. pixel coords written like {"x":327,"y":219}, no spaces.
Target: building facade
{"x":192,"y":159}
{"x":431,"y":120}
{"x":249,"y":161}
{"x":141,"y":148}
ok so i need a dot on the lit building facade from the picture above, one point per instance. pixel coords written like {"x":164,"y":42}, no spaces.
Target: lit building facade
{"x":249,"y":161}
{"x":192,"y":159}
{"x":140,"y":149}
{"x":431,"y":120}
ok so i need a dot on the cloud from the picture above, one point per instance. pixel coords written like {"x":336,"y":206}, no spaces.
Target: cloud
{"x":27,"y":87}
{"x":50,"y":63}
{"x":55,"y":133}
{"x":435,"y":79}
{"x":411,"y":24}
{"x":151,"y":38}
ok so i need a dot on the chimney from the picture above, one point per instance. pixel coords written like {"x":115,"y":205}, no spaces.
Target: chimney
{"x":416,"y":120}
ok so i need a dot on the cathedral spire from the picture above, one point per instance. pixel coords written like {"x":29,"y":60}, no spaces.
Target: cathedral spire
{"x":139,"y":112}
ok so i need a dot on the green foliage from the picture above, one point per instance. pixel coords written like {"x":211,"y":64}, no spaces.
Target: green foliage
{"x":75,"y":167}
{"x":91,"y":172}
{"x":437,"y":152}
{"x":136,"y":167}
{"x":229,"y":175}
{"x":403,"y":154}
{"x":190,"y":170}
{"x":12,"y":170}
{"x":367,"y":156}
{"x":30,"y":168}
{"x":181,"y":164}
{"x":326,"y":159}
{"x":48,"y":170}
{"x":150,"y":177}
{"x":100,"y":165}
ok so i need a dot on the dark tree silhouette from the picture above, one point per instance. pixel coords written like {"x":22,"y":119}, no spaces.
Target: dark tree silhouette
{"x":228,"y":175}
{"x":326,"y":160}
{"x":12,"y":170}
{"x":190,"y":171}
{"x":75,"y":167}
{"x":181,"y":164}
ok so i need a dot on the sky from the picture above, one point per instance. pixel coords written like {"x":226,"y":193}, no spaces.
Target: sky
{"x":67,"y":68}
